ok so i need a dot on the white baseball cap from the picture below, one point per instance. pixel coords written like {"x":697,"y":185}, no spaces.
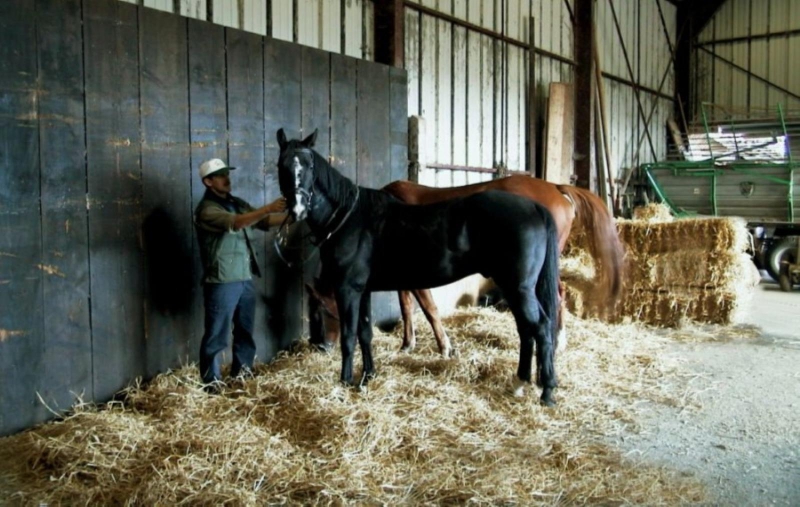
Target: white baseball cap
{"x":211,"y":166}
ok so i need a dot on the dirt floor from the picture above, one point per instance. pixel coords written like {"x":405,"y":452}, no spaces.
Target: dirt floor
{"x":743,"y":437}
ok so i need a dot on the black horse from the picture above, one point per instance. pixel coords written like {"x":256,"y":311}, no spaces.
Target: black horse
{"x":370,"y":241}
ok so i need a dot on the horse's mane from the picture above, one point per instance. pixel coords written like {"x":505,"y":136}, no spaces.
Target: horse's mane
{"x":332,"y":183}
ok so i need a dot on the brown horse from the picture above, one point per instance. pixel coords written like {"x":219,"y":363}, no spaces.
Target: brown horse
{"x":567,"y":204}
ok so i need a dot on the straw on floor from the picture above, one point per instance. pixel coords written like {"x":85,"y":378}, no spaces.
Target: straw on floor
{"x":427,"y":430}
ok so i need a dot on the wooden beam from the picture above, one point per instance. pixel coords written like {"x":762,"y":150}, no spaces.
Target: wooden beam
{"x":558,"y":165}
{"x":584,"y":88}
{"x":389,"y":32}
{"x":533,"y":119}
{"x":484,"y":31}
{"x":695,"y":16}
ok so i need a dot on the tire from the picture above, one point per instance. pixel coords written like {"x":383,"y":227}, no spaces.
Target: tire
{"x":785,"y":280}
{"x":782,"y":249}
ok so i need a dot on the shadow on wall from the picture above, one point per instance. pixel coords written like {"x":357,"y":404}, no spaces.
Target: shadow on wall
{"x":169,"y":264}
{"x":284,"y":297}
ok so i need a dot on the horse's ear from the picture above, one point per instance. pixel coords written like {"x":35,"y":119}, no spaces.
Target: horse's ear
{"x":309,"y":141}
{"x":282,"y":142}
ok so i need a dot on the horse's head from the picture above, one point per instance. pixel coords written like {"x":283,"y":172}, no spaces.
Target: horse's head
{"x":296,"y":173}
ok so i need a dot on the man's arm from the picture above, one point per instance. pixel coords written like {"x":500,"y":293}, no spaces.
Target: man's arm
{"x":261,"y":214}
{"x":272,"y":220}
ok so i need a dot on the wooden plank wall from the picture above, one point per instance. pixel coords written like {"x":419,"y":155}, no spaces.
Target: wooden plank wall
{"x":649,"y":55}
{"x":455,"y":79}
{"x":772,"y":59}
{"x":472,"y":89}
{"x":110,"y":108}
{"x":337,"y":26}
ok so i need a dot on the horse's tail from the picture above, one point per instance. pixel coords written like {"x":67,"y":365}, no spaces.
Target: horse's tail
{"x":594,"y":219}
{"x":547,"y":284}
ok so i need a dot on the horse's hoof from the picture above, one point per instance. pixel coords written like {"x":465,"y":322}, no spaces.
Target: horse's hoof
{"x":561,"y":341}
{"x":323,"y":347}
{"x":518,"y":387}
{"x":547,"y":397}
{"x":407,"y":349}
{"x":365,"y":379}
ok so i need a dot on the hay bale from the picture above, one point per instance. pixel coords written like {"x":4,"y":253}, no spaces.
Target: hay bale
{"x":427,"y":431}
{"x":653,"y":213}
{"x":684,"y":270}
{"x":706,"y":234}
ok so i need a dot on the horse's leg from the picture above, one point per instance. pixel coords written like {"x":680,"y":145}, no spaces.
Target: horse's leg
{"x":349,"y":302}
{"x":407,"y":311}
{"x":365,"y":338}
{"x":532,"y":325}
{"x":425,"y":300}
{"x":561,"y":339}
{"x":524,"y":315}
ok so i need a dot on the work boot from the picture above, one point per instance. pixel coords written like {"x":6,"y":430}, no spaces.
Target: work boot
{"x":244,"y":373}
{"x":214,"y":387}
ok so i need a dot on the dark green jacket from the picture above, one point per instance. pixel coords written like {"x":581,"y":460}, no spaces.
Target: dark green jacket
{"x":227,"y":255}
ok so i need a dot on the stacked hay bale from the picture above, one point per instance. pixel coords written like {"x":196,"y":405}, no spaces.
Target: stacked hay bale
{"x":689,"y":269}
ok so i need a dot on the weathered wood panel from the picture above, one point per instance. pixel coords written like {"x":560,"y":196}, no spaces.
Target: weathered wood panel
{"x":282,"y":109}
{"x":245,"y":71}
{"x":343,"y":115}
{"x":208,"y":136}
{"x":166,"y":189}
{"x":115,"y":193}
{"x":65,"y":258}
{"x":104,"y":138}
{"x":373,"y":142}
{"x":316,"y":109}
{"x":316,"y":93}
{"x":21,"y":268}
{"x":559,"y":136}
{"x":398,"y":123}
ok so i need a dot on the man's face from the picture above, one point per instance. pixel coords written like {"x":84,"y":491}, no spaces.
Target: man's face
{"x":219,"y":182}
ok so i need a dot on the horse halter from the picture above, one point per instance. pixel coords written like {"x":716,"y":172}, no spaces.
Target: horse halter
{"x":280,"y":237}
{"x":307,"y":194}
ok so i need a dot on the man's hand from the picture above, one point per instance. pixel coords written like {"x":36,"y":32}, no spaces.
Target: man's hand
{"x":277,"y":206}
{"x":260,"y":216}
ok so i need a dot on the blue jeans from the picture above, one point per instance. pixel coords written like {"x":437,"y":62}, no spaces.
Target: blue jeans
{"x":225,"y":303}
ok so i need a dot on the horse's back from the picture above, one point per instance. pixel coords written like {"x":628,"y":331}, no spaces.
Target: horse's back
{"x":547,"y":194}
{"x":449,"y":240}
{"x":506,"y":209}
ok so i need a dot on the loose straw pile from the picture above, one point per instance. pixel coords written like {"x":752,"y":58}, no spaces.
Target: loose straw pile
{"x":427,"y":430}
{"x":677,"y":271}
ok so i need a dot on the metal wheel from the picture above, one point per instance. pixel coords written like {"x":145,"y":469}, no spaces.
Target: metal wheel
{"x":785,"y":279}
{"x":783,"y":249}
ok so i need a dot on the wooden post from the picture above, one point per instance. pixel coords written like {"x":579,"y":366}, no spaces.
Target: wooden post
{"x":389,"y":32}
{"x":584,"y":88}
{"x":559,"y":134}
{"x":416,"y":148}
{"x":532,"y":112}
{"x":601,"y":107}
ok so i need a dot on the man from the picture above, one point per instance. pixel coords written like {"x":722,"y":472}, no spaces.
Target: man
{"x":223,"y":225}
